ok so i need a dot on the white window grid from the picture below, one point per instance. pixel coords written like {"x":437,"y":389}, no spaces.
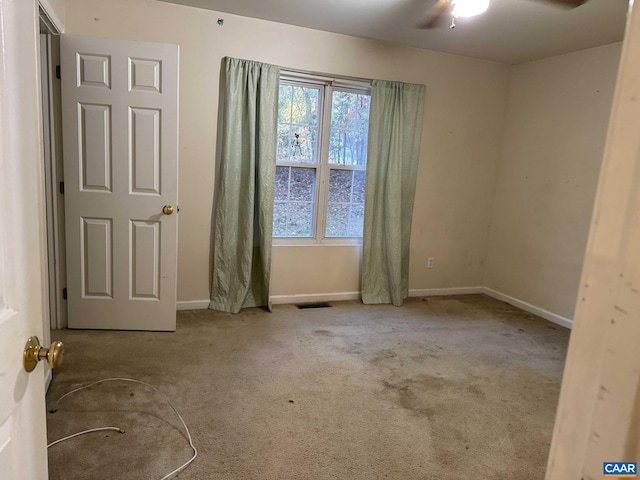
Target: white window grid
{"x":322,"y":166}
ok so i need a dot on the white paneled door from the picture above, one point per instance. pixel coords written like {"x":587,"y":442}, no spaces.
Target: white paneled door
{"x":120,"y":128}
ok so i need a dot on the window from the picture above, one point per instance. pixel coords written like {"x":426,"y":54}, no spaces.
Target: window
{"x":321,"y":160}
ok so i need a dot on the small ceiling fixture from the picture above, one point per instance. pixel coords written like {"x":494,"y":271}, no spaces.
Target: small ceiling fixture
{"x":469,"y":8}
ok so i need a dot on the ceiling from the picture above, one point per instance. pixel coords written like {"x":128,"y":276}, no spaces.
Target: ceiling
{"x":511,"y":31}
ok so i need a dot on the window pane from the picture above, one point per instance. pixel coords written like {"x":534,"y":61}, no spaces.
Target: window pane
{"x":345,"y":211}
{"x":362,"y":115}
{"x":298,"y":124}
{"x":358,"y":186}
{"x":340,"y":186}
{"x":280,"y":219}
{"x":303,"y":182}
{"x":284,"y":143}
{"x":343,"y":109}
{"x":349,"y":128}
{"x":356,"y":221}
{"x":284,"y":104}
{"x":282,"y":184}
{"x":294,"y":201}
{"x":305,"y":106}
{"x":303,"y":144}
{"x":300,"y":220}
{"x":337,"y":147}
{"x":337,"y":220}
{"x":348,"y":147}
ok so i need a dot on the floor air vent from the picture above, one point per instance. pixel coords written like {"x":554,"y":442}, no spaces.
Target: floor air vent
{"x":313,"y":305}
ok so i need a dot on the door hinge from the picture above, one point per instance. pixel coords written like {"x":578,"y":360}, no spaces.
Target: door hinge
{"x":64,"y":293}
{"x":58,"y":74}
{"x":61,"y":188}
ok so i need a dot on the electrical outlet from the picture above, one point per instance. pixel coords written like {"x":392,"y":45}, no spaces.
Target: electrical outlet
{"x":430,"y":261}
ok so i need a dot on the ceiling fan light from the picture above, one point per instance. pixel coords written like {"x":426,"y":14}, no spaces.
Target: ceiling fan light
{"x":469,"y":8}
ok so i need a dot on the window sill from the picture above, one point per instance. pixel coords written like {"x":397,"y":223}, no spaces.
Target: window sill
{"x":312,"y":242}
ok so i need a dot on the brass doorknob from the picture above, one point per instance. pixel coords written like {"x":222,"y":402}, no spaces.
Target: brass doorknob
{"x":167,"y":209}
{"x":34,"y":352}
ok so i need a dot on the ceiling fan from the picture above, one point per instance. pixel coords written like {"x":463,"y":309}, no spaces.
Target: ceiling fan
{"x":438,"y":14}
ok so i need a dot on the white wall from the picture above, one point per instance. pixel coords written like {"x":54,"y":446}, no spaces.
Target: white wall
{"x":464,"y":121}
{"x":556,"y":126}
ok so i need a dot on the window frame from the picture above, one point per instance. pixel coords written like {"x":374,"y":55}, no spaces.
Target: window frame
{"x":322,"y":166}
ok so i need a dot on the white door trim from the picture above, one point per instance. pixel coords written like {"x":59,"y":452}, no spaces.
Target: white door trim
{"x":53,"y":21}
{"x":52,"y":137}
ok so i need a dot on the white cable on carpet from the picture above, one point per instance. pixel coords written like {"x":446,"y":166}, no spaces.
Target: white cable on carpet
{"x":119,"y":379}
{"x":119,"y":430}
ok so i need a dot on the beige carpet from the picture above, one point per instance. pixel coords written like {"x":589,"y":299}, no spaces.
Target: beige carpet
{"x":447,"y":388}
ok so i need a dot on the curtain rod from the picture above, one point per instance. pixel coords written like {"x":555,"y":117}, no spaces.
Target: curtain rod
{"x":327,"y":75}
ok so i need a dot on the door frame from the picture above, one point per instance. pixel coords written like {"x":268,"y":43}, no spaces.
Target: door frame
{"x":52,"y":164}
{"x":51,"y":26}
{"x":52,"y":20}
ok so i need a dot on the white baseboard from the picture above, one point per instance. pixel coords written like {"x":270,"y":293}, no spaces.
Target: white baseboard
{"x":193,"y":305}
{"x":431,"y":292}
{"x":336,"y":297}
{"x":314,"y":297}
{"x":280,"y":300}
{"x":425,"y":292}
{"x":527,"y":307}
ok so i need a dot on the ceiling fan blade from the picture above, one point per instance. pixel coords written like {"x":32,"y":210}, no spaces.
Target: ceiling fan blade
{"x":437,"y":15}
{"x":566,"y":3}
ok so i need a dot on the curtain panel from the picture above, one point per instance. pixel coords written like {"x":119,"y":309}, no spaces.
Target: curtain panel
{"x":395,"y":131}
{"x":243,"y":216}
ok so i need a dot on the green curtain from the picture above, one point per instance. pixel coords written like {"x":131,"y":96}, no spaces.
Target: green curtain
{"x":395,"y":130}
{"x":244,"y":207}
